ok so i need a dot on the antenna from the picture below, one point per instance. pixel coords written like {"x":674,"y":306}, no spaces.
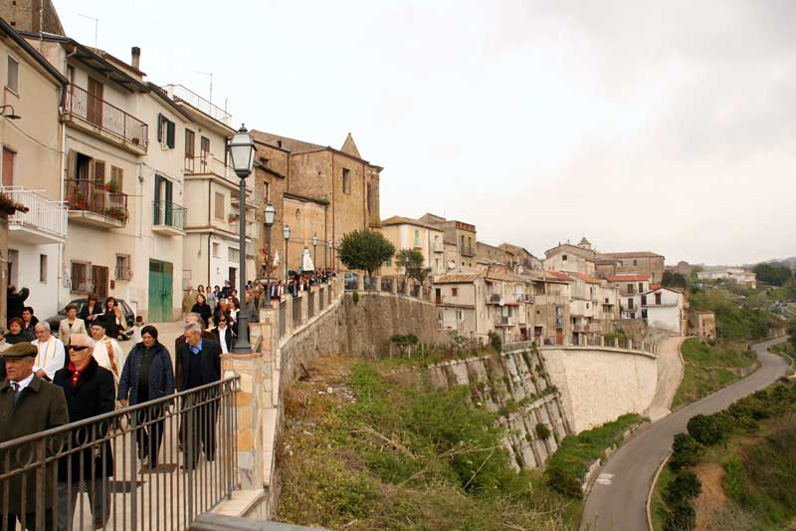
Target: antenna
{"x":96,"y":26}
{"x":211,"y":82}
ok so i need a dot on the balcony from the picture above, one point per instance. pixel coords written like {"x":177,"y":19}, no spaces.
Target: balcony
{"x":251,"y":229}
{"x":105,"y":121}
{"x":503,"y":320}
{"x":467,"y":251}
{"x":95,"y":205}
{"x":168,"y":218}
{"x":43,"y":223}
{"x":207,"y":164}
{"x":495,"y":298}
{"x":184,"y":94}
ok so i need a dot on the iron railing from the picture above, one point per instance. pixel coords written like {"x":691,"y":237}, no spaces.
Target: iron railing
{"x":109,"y":118}
{"x":165,"y":213}
{"x":43,"y":213}
{"x":41,"y":473}
{"x":179,"y":92}
{"x":83,"y":194}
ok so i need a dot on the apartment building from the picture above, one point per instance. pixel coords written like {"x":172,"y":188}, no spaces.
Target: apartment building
{"x":408,"y":233}
{"x":630,"y":289}
{"x":315,"y":178}
{"x":665,"y":308}
{"x":460,"y":295}
{"x":31,"y":136}
{"x":567,"y":257}
{"x":459,"y":244}
{"x":637,"y":262}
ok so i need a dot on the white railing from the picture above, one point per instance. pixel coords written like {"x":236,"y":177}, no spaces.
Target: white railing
{"x":251,"y":229}
{"x":43,"y":213}
{"x":195,"y":100}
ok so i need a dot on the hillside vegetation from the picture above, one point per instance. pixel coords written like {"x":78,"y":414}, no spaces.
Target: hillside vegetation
{"x":369,"y":445}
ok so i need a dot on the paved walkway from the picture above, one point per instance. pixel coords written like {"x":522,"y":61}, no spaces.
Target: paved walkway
{"x":670,"y":374}
{"x":618,"y":502}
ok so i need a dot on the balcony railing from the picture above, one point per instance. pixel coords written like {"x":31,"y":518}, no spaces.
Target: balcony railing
{"x":502,"y":320}
{"x":109,"y":118}
{"x":179,"y":92}
{"x":44,"y":214}
{"x":168,"y":214}
{"x":251,"y":229}
{"x":82,"y":194}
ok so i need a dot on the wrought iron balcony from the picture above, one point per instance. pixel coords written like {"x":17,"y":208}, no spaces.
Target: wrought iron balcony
{"x":91,"y":112}
{"x":168,"y":218}
{"x":96,"y":204}
{"x":45,"y":220}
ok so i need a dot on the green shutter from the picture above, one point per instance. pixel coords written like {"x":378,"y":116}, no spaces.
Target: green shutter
{"x":156,"y":204}
{"x":160,"y":127}
{"x":167,"y":205}
{"x":170,"y":134}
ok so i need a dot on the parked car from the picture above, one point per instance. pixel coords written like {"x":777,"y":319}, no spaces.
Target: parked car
{"x":129,"y":315}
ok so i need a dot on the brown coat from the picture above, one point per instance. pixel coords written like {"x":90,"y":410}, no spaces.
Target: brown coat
{"x":41,"y":406}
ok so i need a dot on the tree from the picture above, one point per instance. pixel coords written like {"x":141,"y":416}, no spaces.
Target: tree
{"x":706,"y":429}
{"x":411,"y":261}
{"x":686,"y":452}
{"x":774,"y":273}
{"x":365,"y":250}
{"x":674,"y":280}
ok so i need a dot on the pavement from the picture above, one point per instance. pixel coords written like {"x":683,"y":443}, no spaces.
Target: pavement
{"x":670,"y":374}
{"x":619,"y":496}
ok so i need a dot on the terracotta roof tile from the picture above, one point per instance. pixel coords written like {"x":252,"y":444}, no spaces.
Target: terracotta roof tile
{"x":627,"y":278}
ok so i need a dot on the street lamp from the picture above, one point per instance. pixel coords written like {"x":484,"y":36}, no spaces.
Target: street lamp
{"x":286,"y":234}
{"x":241,"y":153}
{"x":270,"y":213}
{"x":328,"y":252}
{"x":315,"y":251}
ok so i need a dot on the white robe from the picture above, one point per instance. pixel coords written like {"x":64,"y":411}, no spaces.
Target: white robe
{"x":51,"y":356}
{"x":101,"y":355}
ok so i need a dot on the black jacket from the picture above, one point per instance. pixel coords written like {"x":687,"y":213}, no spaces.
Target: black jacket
{"x":15,"y":302}
{"x":210,"y":361}
{"x":161,"y":374}
{"x":26,"y":336}
{"x":229,"y":335}
{"x":203,"y":310}
{"x":94,"y":395}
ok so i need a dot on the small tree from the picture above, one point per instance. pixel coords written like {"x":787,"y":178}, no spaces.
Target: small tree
{"x":411,"y":261}
{"x":706,"y":429}
{"x":365,"y":250}
{"x":686,"y":452}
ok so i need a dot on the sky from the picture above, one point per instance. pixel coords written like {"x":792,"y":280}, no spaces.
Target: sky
{"x":641,"y":125}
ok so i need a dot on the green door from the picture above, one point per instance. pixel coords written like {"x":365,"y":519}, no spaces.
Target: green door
{"x":161,"y":276}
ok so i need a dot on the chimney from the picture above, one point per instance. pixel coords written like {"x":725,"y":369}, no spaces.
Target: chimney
{"x":136,"y":58}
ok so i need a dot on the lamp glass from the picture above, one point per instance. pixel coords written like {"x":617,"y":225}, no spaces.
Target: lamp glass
{"x":315,"y":240}
{"x":270,"y":213}
{"x":241,"y":151}
{"x":286,"y":232}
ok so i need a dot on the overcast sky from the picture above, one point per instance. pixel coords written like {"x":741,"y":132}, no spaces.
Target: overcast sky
{"x":662,"y":126}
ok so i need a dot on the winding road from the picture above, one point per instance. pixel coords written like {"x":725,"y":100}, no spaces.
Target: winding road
{"x":618,"y":499}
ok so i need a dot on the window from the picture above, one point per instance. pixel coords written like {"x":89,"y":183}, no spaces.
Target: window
{"x":117,"y":179}
{"x":643,"y":300}
{"x":190,"y":149}
{"x":233,"y":255}
{"x":630,"y":289}
{"x":635,"y":262}
{"x":658,"y":298}
{"x":462,"y":239}
{"x":12,"y":79}
{"x":219,"y":205}
{"x":389,"y":261}
{"x":346,"y":181}
{"x":43,"y":268}
{"x":123,"y":271}
{"x":417,"y":238}
{"x":79,"y":276}
{"x":204,"y":153}
{"x":564,"y":258}
{"x":166,"y":132}
{"x":9,"y":160}
{"x":587,"y":305}
{"x":629,"y":304}
{"x":216,"y":250}
{"x":640,"y":287}
{"x":459,"y":315}
{"x":454,"y":292}
{"x":99,"y":173}
{"x":470,"y":244}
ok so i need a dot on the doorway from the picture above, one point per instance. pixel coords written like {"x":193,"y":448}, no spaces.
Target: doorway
{"x":99,"y":276}
{"x":161,"y":282}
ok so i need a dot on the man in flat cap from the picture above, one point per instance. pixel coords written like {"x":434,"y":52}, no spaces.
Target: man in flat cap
{"x":28,"y":405}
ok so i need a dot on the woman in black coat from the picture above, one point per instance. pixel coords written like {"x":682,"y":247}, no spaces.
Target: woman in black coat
{"x":17,"y":333}
{"x":90,"y":391}
{"x":202,"y":308}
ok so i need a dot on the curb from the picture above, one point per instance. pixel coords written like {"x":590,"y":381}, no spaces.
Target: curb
{"x":652,"y":489}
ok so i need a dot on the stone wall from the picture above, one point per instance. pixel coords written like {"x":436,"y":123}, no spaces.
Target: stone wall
{"x":599,"y":384}
{"x":516,"y":385}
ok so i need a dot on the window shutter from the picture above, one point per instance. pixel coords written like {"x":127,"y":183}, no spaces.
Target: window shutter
{"x":99,"y":172}
{"x":156,"y":209}
{"x":170,"y":134}
{"x":71,"y":164}
{"x":160,"y":127}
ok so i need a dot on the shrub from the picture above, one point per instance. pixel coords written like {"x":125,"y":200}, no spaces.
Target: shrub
{"x":685,"y":487}
{"x":686,"y":452}
{"x":706,"y":429}
{"x":681,"y":517}
{"x":495,"y":341}
{"x":542,"y":431}
{"x":563,"y":483}
{"x":355,"y":297}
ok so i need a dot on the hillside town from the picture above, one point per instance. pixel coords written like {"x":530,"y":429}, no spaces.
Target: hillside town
{"x":190,"y":335}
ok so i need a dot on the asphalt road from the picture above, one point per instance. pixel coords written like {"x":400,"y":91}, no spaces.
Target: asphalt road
{"x":618,"y":499}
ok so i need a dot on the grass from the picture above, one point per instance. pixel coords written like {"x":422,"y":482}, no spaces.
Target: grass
{"x":786,"y":351}
{"x":578,"y":452}
{"x":708,"y":368}
{"x":368,"y":445}
{"x":658,"y":508}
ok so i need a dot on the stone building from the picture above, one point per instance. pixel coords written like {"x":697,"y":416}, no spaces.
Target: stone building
{"x":31,"y":15}
{"x":459,"y":243}
{"x":630,"y":289}
{"x":567,"y":257}
{"x":637,"y":262}
{"x":702,"y":324}
{"x":408,"y":233}
{"x":522,"y":259}
{"x":314,"y":177}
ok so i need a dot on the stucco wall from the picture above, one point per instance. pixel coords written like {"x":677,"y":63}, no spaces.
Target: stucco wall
{"x":600,"y":384}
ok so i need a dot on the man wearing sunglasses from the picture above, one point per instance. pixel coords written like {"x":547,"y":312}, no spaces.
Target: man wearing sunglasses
{"x":90,"y":391}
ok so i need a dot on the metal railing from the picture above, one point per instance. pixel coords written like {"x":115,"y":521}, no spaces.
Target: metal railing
{"x":96,"y":111}
{"x":282,"y":318}
{"x":41,"y":474}
{"x":179,"y":92}
{"x":43,"y":214}
{"x":168,"y":214}
{"x":296,"y":312}
{"x":82,"y":194}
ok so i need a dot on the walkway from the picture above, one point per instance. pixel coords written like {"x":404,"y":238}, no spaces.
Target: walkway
{"x":670,"y":374}
{"x":619,"y":500}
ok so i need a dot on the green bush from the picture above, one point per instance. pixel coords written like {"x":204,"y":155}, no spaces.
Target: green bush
{"x":685,"y":487}
{"x":495,"y":341}
{"x":686,"y":452}
{"x":681,"y":517}
{"x":355,"y":297}
{"x":563,"y":483}
{"x":706,"y":429}
{"x":542,"y":431}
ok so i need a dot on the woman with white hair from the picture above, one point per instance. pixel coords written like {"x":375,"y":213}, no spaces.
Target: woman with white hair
{"x":51,"y":356}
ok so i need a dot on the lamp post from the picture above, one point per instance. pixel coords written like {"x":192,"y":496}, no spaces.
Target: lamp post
{"x":315,"y":251}
{"x":241,"y":153}
{"x":270,"y":213}
{"x":286,"y":234}
{"x":328,"y":253}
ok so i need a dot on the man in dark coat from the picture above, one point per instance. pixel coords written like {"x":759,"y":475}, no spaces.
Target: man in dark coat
{"x":201,"y":364}
{"x":90,"y":391}
{"x":28,"y":405}
{"x":15,"y":302}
